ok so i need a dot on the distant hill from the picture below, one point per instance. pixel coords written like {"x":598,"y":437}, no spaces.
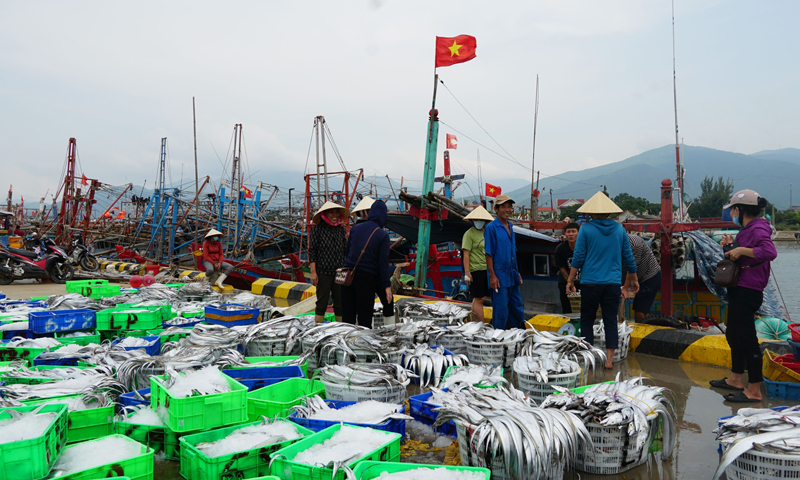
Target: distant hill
{"x":768,"y":172}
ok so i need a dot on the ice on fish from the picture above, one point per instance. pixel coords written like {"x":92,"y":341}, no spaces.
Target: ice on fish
{"x":84,"y":456}
{"x":28,"y":425}
{"x":44,"y":342}
{"x":135,"y":342}
{"x":251,"y":437}
{"x":348,"y":443}
{"x":370,"y":412}
{"x":432,"y":474}
{"x":76,"y":334}
{"x":204,"y":381}
{"x":144,"y":416}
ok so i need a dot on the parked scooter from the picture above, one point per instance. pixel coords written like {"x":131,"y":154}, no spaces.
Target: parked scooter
{"x":17,"y":264}
{"x":79,"y":255}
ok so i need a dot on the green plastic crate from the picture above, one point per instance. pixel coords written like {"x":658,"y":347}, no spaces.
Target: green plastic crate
{"x":83,"y":341}
{"x":10,"y":379}
{"x":19,"y":353}
{"x":176,"y":286}
{"x":202,"y":412}
{"x":84,"y":424}
{"x":303,"y":367}
{"x":102,"y":291}
{"x":161,"y":439}
{"x":36,"y":299}
{"x":136,"y":468}
{"x":195,"y":465}
{"x":276,"y":400}
{"x":112,"y":319}
{"x":81,"y":286}
{"x":115,"y":334}
{"x":370,"y":470}
{"x":285,"y":468}
{"x":172,"y":337}
{"x":32,"y":459}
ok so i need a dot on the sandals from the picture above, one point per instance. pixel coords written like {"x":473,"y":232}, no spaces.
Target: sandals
{"x":723,"y":384}
{"x":740,"y":397}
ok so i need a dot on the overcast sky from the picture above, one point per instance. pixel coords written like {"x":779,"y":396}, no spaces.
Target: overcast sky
{"x":119,"y":76}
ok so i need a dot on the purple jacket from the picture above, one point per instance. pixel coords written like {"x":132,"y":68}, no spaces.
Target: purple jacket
{"x":756,"y":235}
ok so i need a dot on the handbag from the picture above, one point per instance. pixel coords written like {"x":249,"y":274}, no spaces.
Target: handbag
{"x":728,"y":272}
{"x":344,"y":275}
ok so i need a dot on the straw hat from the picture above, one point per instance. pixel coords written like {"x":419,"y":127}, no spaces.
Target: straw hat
{"x":479,"y":213}
{"x":213,"y":233}
{"x":364,"y":204}
{"x":501,"y":199}
{"x":329,"y":206}
{"x":600,"y":203}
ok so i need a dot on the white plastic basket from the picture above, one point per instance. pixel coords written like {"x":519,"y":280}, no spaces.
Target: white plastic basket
{"x":621,"y":353}
{"x":364,"y":356}
{"x":451,"y":341}
{"x":614,"y":451}
{"x":539,"y":391}
{"x":416,"y":339}
{"x":491,"y":353}
{"x":754,"y":465}
{"x":351,"y":393}
{"x":313,"y":360}
{"x":266,"y":347}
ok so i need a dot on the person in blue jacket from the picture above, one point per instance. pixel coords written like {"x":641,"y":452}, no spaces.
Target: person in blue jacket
{"x":371,"y":267}
{"x":501,"y":263}
{"x":600,"y":250}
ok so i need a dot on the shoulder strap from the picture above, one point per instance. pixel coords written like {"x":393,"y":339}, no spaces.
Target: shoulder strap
{"x":365,"y":247}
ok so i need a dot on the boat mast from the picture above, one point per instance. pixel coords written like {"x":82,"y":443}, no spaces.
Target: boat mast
{"x":534,"y":185}
{"x":428,"y":179}
{"x":196,"y":179}
{"x":678,"y":165}
{"x":322,"y":166}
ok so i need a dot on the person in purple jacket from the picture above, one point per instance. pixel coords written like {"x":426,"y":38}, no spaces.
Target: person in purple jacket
{"x":754,"y":250}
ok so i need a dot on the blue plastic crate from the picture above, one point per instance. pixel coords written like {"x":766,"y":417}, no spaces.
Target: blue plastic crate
{"x":232,"y":318}
{"x":9,"y":334}
{"x":782,"y":390}
{"x":62,"y":362}
{"x":152,"y":350}
{"x":62,"y":320}
{"x":2,"y":297}
{"x":254,"y":378}
{"x":392,"y":425}
{"x":795,"y":349}
{"x":129,"y":399}
{"x":422,"y":411}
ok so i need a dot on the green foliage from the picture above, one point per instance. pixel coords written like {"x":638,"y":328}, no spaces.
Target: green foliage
{"x":571,"y":212}
{"x":787,"y":217}
{"x":636,"y":205}
{"x":713,"y":196}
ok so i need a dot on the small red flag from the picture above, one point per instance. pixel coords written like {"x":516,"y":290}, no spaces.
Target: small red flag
{"x":452,"y":50}
{"x":84,"y":180}
{"x":493,"y":190}
{"x":452,"y":142}
{"x":247,"y":193}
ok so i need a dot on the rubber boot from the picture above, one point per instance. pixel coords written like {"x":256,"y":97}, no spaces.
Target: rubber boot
{"x":220,"y":280}
{"x":338,"y":319}
{"x":319,"y":318}
{"x":389,"y":321}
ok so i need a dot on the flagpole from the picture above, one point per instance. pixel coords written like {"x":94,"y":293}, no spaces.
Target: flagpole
{"x":429,"y":174}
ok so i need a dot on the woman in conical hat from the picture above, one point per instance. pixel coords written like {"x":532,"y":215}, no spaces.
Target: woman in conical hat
{"x":600,"y":249}
{"x":362,"y":209}
{"x":212,"y":257}
{"x":472,"y":244}
{"x":326,"y":248}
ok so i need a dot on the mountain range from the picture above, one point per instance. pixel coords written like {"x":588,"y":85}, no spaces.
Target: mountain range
{"x":769,"y":172}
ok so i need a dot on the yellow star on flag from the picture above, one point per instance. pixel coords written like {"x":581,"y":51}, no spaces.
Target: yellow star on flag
{"x":491,"y":190}
{"x":454,"y":48}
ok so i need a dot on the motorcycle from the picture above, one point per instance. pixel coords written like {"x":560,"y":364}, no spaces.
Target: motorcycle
{"x":17,"y":264}
{"x":79,"y":255}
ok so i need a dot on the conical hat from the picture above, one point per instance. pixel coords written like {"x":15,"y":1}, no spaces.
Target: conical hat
{"x":329,"y":206}
{"x":479,"y":213}
{"x":213,"y":233}
{"x":364,"y":204}
{"x":599,"y":203}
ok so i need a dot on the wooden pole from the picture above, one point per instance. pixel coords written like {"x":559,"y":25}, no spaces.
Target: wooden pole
{"x":196,"y":178}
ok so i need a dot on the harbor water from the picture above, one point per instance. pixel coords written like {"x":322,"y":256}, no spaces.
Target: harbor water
{"x":786,"y":270}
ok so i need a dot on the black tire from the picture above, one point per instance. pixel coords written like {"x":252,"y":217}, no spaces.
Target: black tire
{"x":6,"y":279}
{"x":89,"y":263}
{"x":462,"y":296}
{"x":62,"y":273}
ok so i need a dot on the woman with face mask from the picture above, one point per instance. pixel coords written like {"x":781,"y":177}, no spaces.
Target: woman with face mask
{"x":472,"y":244}
{"x":326,"y":249}
{"x":212,"y":257}
{"x":753,"y":250}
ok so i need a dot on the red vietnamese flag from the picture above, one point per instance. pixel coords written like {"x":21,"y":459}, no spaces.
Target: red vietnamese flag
{"x":84,"y":180}
{"x":452,"y":142}
{"x":452,"y":50}
{"x":492,"y":190}
{"x":247,"y":193}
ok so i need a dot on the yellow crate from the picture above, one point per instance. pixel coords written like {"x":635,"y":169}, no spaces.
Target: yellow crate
{"x":777,"y":372}
{"x":575,"y":304}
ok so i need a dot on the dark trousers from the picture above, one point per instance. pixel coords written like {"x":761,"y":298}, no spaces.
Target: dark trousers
{"x":566,"y":307}
{"x":388,"y":307}
{"x":606,"y":296}
{"x":358,"y":299}
{"x":743,"y":303}
{"x":325,"y":288}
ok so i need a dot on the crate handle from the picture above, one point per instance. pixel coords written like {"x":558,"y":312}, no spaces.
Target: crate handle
{"x":213,"y":399}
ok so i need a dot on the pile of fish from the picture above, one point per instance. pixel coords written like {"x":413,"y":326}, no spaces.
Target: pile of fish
{"x":510,"y":435}
{"x":216,"y":337}
{"x":97,"y":379}
{"x":248,"y":438}
{"x":71,"y":301}
{"x":35,"y":375}
{"x":368,"y":412}
{"x":542,"y":366}
{"x":483,"y":375}
{"x":287,"y":329}
{"x":573,"y":348}
{"x":366,"y":375}
{"x":43,"y":342}
{"x":444,"y":312}
{"x":362,"y":345}
{"x":628,"y":405}
{"x":430,"y":363}
{"x":760,"y":429}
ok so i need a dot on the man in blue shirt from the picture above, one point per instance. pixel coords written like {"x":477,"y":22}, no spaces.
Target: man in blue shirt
{"x":501,"y":263}
{"x":600,"y":250}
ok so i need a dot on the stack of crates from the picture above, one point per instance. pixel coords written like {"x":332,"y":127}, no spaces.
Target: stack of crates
{"x":96,"y":289}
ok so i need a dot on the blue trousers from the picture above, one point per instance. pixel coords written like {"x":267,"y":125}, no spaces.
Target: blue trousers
{"x":607,"y":298}
{"x":507,"y":309}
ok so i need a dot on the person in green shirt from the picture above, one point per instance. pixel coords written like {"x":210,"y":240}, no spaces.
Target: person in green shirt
{"x":475,"y":260}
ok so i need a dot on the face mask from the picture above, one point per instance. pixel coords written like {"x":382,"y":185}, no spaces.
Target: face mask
{"x":479,"y":224}
{"x":736,"y":221}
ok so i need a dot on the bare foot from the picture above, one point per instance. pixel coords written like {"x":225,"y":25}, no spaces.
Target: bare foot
{"x":609,"y":366}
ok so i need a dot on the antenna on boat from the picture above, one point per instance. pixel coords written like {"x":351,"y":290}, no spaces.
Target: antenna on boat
{"x":678,"y":165}
{"x":534,"y":180}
